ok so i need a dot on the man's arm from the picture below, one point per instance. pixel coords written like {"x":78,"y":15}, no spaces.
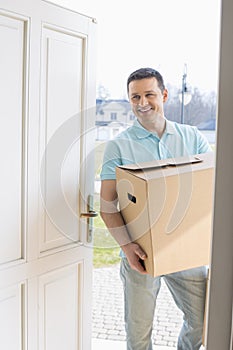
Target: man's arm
{"x":116,"y":226}
{"x":202,"y":142}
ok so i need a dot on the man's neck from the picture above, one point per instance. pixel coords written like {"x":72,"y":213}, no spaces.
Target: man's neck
{"x":157,"y":126}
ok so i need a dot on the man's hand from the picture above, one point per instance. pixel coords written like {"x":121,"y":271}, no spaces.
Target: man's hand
{"x":114,"y":221}
{"x":135,"y":256}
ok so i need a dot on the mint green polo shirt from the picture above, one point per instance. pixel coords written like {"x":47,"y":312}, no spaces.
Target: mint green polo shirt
{"x":136,"y":144}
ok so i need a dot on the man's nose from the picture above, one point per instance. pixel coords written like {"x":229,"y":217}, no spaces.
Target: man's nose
{"x":143,"y":101}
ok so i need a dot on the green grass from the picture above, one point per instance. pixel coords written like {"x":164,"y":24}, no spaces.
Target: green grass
{"x":106,"y":250}
{"x":104,"y":257}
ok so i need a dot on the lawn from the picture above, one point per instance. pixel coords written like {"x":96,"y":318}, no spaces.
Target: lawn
{"x":106,"y":250}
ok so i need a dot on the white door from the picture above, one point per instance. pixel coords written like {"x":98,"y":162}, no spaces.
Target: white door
{"x":47,"y":94}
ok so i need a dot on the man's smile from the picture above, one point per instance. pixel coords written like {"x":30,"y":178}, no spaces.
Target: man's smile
{"x":144,"y":109}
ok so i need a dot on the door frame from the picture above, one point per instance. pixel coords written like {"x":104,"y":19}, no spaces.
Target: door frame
{"x":219,"y":320}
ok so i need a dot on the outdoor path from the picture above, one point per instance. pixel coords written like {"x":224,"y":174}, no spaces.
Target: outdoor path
{"x":108,"y":319}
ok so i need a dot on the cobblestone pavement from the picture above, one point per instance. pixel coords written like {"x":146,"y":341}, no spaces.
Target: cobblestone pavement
{"x":108,"y":318}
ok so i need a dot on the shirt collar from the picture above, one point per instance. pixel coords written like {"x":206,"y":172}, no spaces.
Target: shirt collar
{"x":142,"y":133}
{"x":170,"y":128}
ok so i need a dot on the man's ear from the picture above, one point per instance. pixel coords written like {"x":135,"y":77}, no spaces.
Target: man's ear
{"x":165,"y":95}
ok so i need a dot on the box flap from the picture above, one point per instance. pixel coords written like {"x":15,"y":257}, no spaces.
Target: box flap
{"x":184,"y":161}
{"x":162,"y":163}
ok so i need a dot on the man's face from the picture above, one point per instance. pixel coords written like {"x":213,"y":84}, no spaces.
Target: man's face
{"x":147,"y":99}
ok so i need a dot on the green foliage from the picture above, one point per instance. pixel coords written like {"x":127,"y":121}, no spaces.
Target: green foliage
{"x":105,"y":257}
{"x":106,"y":249}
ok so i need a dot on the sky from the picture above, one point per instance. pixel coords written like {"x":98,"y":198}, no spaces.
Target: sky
{"x":162,"y":34}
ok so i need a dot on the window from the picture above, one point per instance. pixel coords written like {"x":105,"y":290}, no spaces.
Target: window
{"x":113,"y":116}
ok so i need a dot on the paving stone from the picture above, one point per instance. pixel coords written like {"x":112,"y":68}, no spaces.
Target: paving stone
{"x":113,"y":332}
{"x":102,"y":336}
{"x":99,"y":330}
{"x":161,"y":342}
{"x":110,"y":327}
{"x":117,"y":337}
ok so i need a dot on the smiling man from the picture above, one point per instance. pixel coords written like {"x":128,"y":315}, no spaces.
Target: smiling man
{"x":147,"y":97}
{"x":151,"y":137}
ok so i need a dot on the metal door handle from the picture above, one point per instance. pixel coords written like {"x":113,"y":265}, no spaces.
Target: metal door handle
{"x":90,"y":214}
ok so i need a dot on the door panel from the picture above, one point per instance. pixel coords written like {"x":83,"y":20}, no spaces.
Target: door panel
{"x":11,"y":317}
{"x":12,"y":61}
{"x":60,"y":308}
{"x":62,"y":95}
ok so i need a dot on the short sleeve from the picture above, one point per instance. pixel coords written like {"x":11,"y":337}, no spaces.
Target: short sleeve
{"x":111,"y":160}
{"x":202,"y":143}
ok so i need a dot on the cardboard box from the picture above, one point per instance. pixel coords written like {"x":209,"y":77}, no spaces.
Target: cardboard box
{"x":167,"y":207}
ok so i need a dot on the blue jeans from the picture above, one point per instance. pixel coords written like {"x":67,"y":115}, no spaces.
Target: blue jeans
{"x":188,"y":289}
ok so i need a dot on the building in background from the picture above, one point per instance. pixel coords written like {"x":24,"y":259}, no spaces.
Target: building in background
{"x":112,"y":117}
{"x":115,"y":115}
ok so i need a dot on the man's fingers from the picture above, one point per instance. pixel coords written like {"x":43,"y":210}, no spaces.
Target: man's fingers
{"x":138,"y":266}
{"x":140,"y":253}
{"x":136,"y":256}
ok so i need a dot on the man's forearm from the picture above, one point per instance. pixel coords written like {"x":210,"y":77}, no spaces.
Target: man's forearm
{"x":116,"y":227}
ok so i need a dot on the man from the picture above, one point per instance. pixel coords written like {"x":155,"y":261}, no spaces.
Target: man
{"x":151,"y":137}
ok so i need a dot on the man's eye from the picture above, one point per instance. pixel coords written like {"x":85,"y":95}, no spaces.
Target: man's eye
{"x":150,"y":95}
{"x":136,"y":97}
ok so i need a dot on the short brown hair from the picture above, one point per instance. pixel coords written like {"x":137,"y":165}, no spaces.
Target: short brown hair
{"x":144,"y":73}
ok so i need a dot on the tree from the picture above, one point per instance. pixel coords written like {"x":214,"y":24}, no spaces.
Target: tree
{"x":201,"y":108}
